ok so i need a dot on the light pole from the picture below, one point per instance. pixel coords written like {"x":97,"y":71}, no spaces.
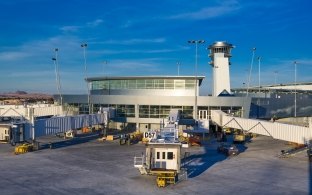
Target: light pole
{"x":104,"y":66}
{"x":84,"y":46}
{"x":275,"y":76}
{"x":57,"y":75}
{"x":295,"y":63}
{"x":259,"y":62}
{"x":178,"y":64}
{"x":250,"y":70}
{"x":196,"y":42}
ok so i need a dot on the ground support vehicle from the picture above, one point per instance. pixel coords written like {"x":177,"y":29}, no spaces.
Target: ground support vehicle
{"x":21,"y":149}
{"x":228,"y":149}
{"x":162,"y":159}
{"x":239,"y":137}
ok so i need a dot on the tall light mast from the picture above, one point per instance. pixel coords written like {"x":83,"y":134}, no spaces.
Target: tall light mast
{"x":250,"y":70}
{"x":84,"y":46}
{"x":196,"y":42}
{"x":57,"y":75}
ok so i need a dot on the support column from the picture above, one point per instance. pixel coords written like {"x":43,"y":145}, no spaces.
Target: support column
{"x":137,"y":124}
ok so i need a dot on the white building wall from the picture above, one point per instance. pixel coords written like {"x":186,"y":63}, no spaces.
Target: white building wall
{"x":221,"y":74}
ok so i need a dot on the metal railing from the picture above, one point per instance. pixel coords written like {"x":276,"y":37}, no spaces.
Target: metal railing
{"x":139,"y":161}
{"x":281,"y":131}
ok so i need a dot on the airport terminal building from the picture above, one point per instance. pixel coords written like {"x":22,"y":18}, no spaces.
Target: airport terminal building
{"x":142,"y":102}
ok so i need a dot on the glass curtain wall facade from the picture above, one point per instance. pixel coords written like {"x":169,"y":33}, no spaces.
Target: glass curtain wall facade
{"x":234,"y":110}
{"x":161,"y":111}
{"x":157,"y":111}
{"x":143,"y":84}
{"x":122,"y":110}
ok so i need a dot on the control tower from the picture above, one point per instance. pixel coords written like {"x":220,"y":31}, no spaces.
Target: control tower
{"x":220,"y":53}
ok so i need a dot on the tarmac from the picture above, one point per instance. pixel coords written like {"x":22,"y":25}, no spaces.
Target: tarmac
{"x":88,"y":166}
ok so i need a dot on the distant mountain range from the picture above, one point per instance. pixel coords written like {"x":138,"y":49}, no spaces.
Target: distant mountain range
{"x":25,"y":95}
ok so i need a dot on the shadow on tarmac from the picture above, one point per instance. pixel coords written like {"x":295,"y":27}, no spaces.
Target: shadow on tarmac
{"x":78,"y":139}
{"x":198,"y":163}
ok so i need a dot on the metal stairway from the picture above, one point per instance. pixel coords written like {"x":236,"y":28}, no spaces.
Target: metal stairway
{"x":139,"y":163}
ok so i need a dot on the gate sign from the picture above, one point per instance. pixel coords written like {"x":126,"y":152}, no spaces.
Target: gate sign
{"x":149,"y":135}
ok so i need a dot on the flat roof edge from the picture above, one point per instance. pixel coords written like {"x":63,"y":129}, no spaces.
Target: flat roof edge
{"x":142,"y":77}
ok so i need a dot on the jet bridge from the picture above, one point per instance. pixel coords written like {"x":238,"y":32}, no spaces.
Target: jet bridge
{"x":281,"y":131}
{"x":62,"y":124}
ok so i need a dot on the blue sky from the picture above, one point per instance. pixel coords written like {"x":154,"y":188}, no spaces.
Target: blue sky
{"x":130,"y":38}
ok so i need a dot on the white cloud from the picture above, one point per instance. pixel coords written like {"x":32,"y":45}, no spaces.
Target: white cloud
{"x":13,"y":55}
{"x":75,"y":28}
{"x":127,"y":24}
{"x":31,"y":52}
{"x":70,"y":28}
{"x":140,"y":51}
{"x":31,"y":74}
{"x":131,"y":67}
{"x":305,"y":62}
{"x":225,"y":8}
{"x":159,"y":51}
{"x":95,"y":23}
{"x":132,"y":41}
{"x":273,"y":70}
{"x":31,"y":62}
